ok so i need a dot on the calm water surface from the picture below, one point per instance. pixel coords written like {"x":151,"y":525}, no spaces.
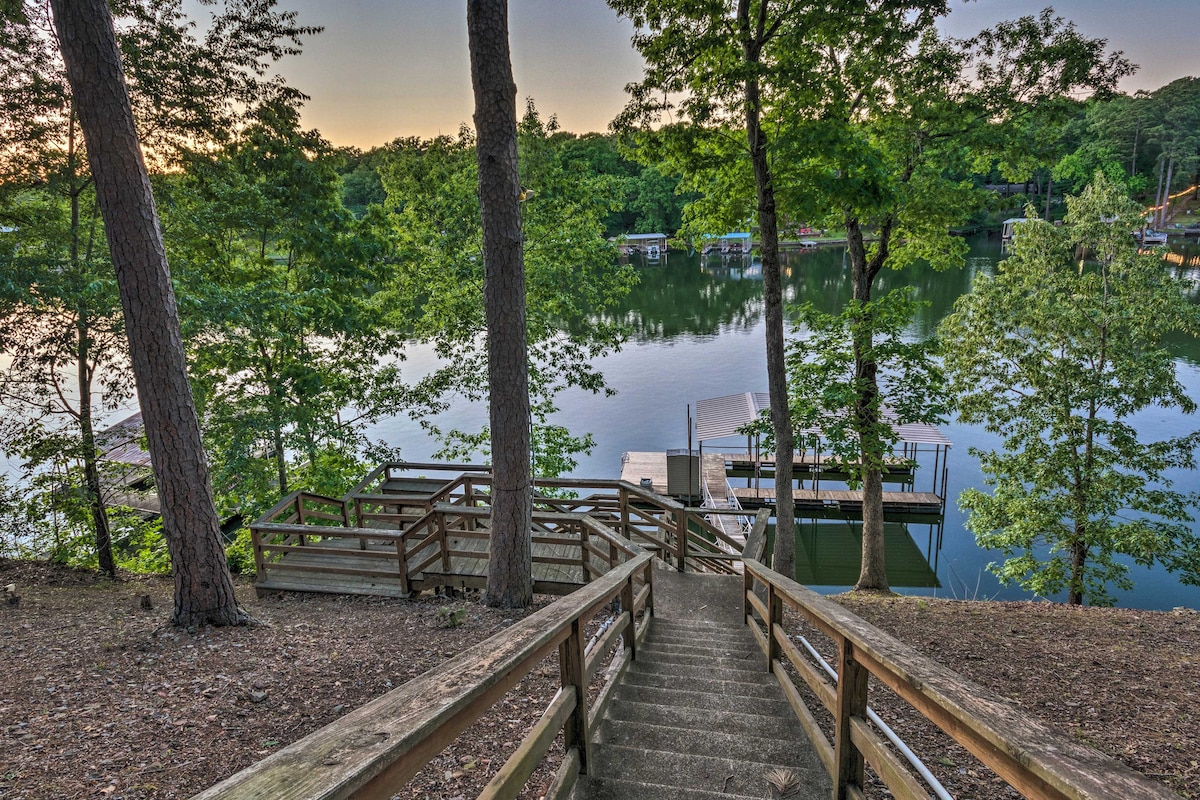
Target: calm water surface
{"x":696,"y":331}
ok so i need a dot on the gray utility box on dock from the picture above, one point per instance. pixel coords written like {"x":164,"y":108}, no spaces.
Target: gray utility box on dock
{"x":683,"y":473}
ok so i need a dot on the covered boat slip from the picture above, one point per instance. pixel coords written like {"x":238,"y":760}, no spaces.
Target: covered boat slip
{"x":413,"y":527}
{"x":727,"y":417}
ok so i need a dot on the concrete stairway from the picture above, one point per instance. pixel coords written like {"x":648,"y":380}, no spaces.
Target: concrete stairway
{"x":696,"y":715}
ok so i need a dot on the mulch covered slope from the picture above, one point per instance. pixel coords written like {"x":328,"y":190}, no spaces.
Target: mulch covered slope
{"x":100,"y":699}
{"x":1122,"y":680}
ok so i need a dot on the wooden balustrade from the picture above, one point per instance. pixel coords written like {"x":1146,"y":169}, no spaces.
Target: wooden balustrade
{"x":1036,"y":761}
{"x":437,"y":537}
{"x":374,"y":750}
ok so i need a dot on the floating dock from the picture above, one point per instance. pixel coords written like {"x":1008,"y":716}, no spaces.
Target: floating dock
{"x":847,"y":504}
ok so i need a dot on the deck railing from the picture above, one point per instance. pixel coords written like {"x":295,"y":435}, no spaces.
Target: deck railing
{"x":399,"y":523}
{"x":1037,"y":762}
{"x":374,"y":750}
{"x":680,"y":535}
{"x":432,"y":541}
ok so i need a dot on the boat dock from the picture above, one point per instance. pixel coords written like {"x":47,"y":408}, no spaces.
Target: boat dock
{"x":847,"y":504}
{"x":649,"y":470}
{"x":811,"y":465}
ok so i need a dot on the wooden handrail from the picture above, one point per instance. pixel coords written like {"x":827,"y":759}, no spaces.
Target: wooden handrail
{"x":1038,"y":762}
{"x":376,"y":749}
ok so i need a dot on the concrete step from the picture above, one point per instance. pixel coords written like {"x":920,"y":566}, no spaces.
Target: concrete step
{"x":707,"y":701}
{"x":699,"y":672}
{"x":693,"y":628}
{"x":667,"y":658}
{"x":701,"y":719}
{"x":716,"y":648}
{"x":591,"y":788}
{"x":739,"y":683}
{"x":704,"y":773}
{"x":785,"y":752}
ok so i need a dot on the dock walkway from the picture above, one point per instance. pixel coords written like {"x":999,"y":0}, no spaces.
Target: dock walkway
{"x":847,"y":503}
{"x":636,"y":467}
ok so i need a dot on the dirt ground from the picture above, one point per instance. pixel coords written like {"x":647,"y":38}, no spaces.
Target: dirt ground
{"x":100,"y":699}
{"x":1124,"y":681}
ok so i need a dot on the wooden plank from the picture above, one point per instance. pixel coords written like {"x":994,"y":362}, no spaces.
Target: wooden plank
{"x":563,"y":783}
{"x":508,"y":781}
{"x":317,"y":550}
{"x":285,"y":584}
{"x":327,"y":570}
{"x":767,"y":494}
{"x":890,"y":769}
{"x":818,"y":682}
{"x":808,"y":722}
{"x":759,"y":606}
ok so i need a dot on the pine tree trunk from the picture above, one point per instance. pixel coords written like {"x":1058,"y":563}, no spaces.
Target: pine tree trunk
{"x":510,"y":567}
{"x":783,"y":557}
{"x":101,"y":530}
{"x":203,"y":588}
{"x":1133,"y":158}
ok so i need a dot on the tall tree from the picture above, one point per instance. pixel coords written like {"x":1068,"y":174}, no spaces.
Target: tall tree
{"x":510,"y":565}
{"x":571,"y":277}
{"x":278,"y":295}
{"x":203,"y":589}
{"x":1175,"y":128}
{"x":60,"y":326}
{"x":901,"y":117}
{"x":728,"y":62}
{"x":187,"y":89}
{"x":1057,"y":356}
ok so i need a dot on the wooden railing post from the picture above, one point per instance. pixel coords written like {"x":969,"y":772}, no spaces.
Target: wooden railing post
{"x":628,"y":598}
{"x":584,"y":554}
{"x":469,"y":501}
{"x":747,"y":587}
{"x":649,"y":580}
{"x":444,"y":541}
{"x":402,"y":561}
{"x":681,"y":531}
{"x":774,"y":622}
{"x":623,"y":501}
{"x":851,"y":703}
{"x":301,"y":517}
{"x":572,"y":661}
{"x":260,"y":570}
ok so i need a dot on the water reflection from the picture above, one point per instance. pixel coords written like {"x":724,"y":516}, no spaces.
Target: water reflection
{"x":696,"y":333}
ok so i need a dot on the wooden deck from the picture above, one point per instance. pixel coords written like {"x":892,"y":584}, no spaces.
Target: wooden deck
{"x":638,"y":465}
{"x":346,"y":566}
{"x":713,"y":486}
{"x":846,"y":504}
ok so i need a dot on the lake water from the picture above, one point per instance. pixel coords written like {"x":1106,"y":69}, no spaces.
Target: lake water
{"x":696,"y":331}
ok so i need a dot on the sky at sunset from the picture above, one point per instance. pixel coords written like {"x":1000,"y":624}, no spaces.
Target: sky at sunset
{"x":389,"y":68}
